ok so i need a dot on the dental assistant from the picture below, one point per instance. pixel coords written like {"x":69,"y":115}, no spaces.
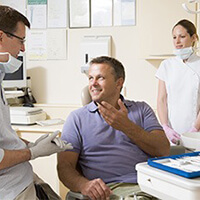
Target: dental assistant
{"x":178,"y":101}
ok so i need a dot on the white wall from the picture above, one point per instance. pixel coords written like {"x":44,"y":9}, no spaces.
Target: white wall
{"x":60,"y":82}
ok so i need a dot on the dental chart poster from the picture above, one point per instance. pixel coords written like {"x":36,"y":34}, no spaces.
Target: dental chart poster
{"x":56,"y":48}
{"x":101,"y":13}
{"x":43,"y":45}
{"x":36,"y":13}
{"x":57,"y":15}
{"x":37,"y":45}
{"x":124,"y":12}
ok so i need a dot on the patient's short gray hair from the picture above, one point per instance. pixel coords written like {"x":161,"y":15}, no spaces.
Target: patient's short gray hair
{"x":117,"y":66}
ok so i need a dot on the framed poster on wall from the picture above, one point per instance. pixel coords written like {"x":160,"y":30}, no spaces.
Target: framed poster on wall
{"x":124,"y":12}
{"x":101,"y":13}
{"x":79,"y":13}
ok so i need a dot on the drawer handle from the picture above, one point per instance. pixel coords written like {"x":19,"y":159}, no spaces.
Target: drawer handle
{"x":149,"y":180}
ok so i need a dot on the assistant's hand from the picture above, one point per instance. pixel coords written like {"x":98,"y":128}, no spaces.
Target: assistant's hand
{"x":171,"y":134}
{"x":96,"y":189}
{"x":193,"y":129}
{"x":47,"y":145}
{"x":118,"y":119}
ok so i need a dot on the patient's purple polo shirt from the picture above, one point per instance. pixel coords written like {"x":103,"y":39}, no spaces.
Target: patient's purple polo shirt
{"x":105,"y":152}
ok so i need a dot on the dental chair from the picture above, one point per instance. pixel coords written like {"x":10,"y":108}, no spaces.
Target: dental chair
{"x":85,"y":96}
{"x":85,"y":99}
{"x":75,"y":196}
{"x":176,"y":150}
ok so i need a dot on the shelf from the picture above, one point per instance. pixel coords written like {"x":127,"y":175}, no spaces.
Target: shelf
{"x":159,"y":57}
{"x":14,"y":93}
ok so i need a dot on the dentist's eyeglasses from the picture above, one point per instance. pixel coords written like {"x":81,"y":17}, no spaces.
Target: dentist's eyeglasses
{"x":22,"y":40}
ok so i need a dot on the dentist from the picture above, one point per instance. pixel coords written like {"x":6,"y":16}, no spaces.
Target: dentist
{"x":178,"y":101}
{"x":17,"y":180}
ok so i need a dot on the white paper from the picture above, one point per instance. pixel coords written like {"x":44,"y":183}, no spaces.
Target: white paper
{"x":79,"y":13}
{"x":101,"y":13}
{"x":37,"y":15}
{"x":124,"y":12}
{"x":19,"y":5}
{"x":57,"y":14}
{"x":56,"y":44}
{"x":37,"y":45}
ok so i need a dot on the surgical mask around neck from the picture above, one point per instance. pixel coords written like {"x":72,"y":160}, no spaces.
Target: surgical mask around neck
{"x":183,"y":53}
{"x":12,"y":65}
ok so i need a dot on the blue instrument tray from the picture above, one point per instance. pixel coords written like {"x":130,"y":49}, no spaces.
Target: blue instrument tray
{"x":166,"y":163}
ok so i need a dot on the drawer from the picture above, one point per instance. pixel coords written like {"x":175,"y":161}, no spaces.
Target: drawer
{"x":164,"y":189}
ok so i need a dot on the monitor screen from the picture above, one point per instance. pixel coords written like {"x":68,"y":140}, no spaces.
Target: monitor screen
{"x":18,"y":78}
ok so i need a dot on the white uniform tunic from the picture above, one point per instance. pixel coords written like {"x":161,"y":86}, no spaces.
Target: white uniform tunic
{"x":13,"y":180}
{"x":183,"y":92}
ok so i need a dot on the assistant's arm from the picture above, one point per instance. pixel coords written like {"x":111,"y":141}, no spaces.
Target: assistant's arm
{"x":154,"y":143}
{"x":162,"y":103}
{"x":196,"y":126}
{"x":162,"y":108}
{"x":75,"y":181}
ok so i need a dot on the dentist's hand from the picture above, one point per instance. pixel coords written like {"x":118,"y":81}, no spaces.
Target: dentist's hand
{"x":32,"y":144}
{"x":172,"y":135}
{"x":47,"y":145}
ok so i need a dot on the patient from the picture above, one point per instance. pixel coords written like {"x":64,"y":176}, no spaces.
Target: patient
{"x":110,"y":136}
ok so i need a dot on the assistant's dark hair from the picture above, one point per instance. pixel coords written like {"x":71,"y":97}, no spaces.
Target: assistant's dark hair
{"x":117,"y":66}
{"x":189,"y":26}
{"x":9,"y":18}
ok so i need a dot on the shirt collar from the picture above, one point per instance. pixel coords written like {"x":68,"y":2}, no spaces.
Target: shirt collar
{"x":192,"y":58}
{"x":92,"y":107}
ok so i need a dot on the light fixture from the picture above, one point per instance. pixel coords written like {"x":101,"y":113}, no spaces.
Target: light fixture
{"x":188,"y":10}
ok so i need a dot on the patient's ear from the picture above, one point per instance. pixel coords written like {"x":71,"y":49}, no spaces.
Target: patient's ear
{"x":120,"y":82}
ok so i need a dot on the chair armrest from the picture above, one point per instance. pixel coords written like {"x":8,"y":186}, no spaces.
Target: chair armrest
{"x":75,"y":195}
{"x":176,"y":150}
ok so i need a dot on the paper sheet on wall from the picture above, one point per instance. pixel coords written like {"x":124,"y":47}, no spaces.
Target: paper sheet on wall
{"x":56,"y":44}
{"x":36,"y":13}
{"x":79,"y":13}
{"x":37,"y":45}
{"x":124,"y":12}
{"x":57,"y":14}
{"x":102,"y":13}
{"x":19,"y":5}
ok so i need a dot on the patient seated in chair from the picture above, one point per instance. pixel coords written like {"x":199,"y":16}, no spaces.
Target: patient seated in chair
{"x":110,"y":136}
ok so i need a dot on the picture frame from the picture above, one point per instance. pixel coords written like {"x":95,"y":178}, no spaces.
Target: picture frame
{"x":124,"y":12}
{"x":79,"y":13}
{"x":101,"y":13}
